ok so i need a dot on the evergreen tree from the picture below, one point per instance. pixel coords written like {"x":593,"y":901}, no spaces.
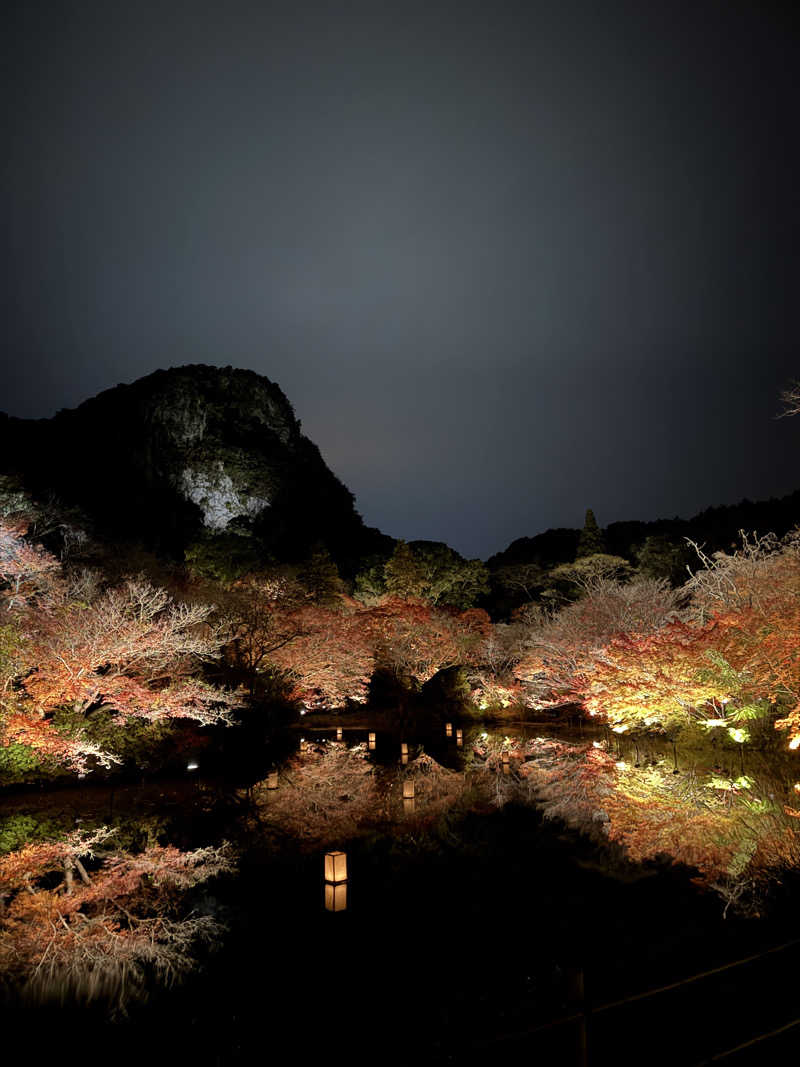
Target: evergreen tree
{"x":403,"y":574}
{"x":590,"y":542}
{"x":320,"y":576}
{"x":659,"y":557}
{"x":370,"y":582}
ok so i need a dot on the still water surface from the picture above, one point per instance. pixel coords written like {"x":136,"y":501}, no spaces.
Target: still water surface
{"x":469,"y":920}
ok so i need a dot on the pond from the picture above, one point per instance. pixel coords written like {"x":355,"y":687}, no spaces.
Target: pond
{"x":467,"y":925}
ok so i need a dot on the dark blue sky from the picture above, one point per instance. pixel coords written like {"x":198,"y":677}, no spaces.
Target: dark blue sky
{"x":507,"y":260}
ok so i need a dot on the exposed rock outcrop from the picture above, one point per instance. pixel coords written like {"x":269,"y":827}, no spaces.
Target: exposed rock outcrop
{"x":189,"y":452}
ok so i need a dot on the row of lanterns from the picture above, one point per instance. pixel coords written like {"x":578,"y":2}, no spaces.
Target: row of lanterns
{"x":272,"y":778}
{"x":372,"y":740}
{"x":448,"y":732}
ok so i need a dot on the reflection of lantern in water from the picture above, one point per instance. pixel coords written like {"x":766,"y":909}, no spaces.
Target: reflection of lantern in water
{"x":272,"y":780}
{"x":408,"y":805}
{"x":371,"y":741}
{"x":448,"y":729}
{"x":336,"y":896}
{"x":335,"y":866}
{"x":408,"y":790}
{"x":506,"y":768}
{"x":338,"y":733}
{"x":459,"y":737}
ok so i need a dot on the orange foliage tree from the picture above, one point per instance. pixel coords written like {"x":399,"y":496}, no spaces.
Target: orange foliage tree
{"x":656,"y":681}
{"x":753,"y":595}
{"x":560,"y":647}
{"x":414,"y":640}
{"x":130,"y":650}
{"x":329,"y":656}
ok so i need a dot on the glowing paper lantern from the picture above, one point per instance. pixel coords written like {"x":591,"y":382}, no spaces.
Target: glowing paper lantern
{"x":404,"y":749}
{"x":336,"y":867}
{"x":338,"y":733}
{"x":448,"y":729}
{"x":336,"y":896}
{"x":372,"y":741}
{"x":459,"y":737}
{"x":408,"y":790}
{"x":272,"y":780}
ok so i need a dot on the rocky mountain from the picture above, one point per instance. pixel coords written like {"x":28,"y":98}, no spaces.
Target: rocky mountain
{"x":187,"y":453}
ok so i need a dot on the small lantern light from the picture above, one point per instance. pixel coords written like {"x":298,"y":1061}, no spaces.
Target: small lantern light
{"x":448,"y":729}
{"x":338,"y":733}
{"x":191,"y":765}
{"x":372,"y":742}
{"x":335,"y":866}
{"x":403,"y":749}
{"x":459,"y":737}
{"x":272,"y":780}
{"x":408,"y":790}
{"x":336,"y":896}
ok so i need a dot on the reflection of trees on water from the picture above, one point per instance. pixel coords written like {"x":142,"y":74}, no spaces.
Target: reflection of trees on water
{"x":738,"y":831}
{"x":330,"y":793}
{"x":82,"y":919}
{"x":87,"y":914}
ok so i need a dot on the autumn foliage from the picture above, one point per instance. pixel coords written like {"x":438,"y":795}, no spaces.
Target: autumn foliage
{"x":81,"y":919}
{"x":329,"y":649}
{"x":130,"y":650}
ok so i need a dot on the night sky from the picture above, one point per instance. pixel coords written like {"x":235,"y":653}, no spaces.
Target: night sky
{"x":507,"y":260}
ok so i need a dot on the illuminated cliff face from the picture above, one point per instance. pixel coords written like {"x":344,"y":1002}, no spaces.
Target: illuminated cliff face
{"x":187,"y":452}
{"x":219,"y":499}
